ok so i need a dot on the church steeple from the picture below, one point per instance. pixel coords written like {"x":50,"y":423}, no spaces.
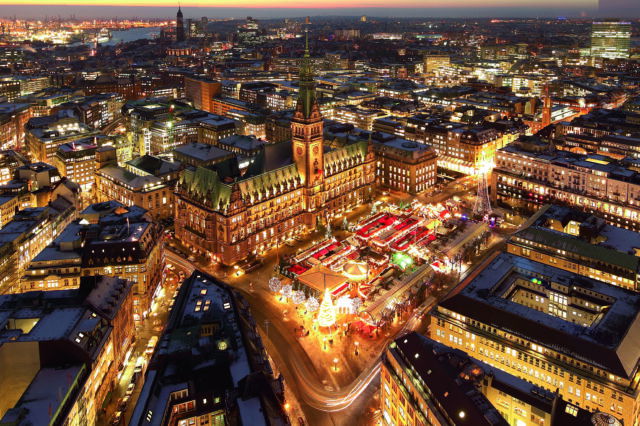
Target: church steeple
{"x":179,"y":25}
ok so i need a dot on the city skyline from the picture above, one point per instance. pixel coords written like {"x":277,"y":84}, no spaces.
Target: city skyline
{"x":345,"y":220}
{"x":264,"y":9}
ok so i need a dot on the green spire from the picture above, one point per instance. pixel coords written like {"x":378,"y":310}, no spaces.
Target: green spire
{"x":307,"y":92}
{"x":306,"y":43}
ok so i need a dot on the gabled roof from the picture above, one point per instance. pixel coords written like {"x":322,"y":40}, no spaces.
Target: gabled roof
{"x":272,"y":182}
{"x":355,"y":151}
{"x":204,"y":185}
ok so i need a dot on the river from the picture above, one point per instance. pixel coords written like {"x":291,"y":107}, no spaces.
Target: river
{"x":132,"y":34}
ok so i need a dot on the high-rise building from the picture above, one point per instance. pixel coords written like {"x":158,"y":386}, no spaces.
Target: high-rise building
{"x":610,"y":39}
{"x":201,"y":91}
{"x":179,"y":26}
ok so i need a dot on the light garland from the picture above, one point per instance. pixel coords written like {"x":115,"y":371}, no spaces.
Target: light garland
{"x":287,"y":290}
{"x":312,"y":304}
{"x":275,"y":285}
{"x":298,"y":297}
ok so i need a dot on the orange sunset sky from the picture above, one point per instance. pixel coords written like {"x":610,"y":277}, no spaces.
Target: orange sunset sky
{"x":321,"y":4}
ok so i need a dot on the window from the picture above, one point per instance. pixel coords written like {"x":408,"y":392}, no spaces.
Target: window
{"x":572,"y":410}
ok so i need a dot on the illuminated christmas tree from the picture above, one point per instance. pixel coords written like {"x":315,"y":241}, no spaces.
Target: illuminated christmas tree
{"x":327,"y":313}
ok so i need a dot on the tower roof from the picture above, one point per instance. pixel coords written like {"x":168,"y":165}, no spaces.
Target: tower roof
{"x":179,"y":14}
{"x":307,"y":93}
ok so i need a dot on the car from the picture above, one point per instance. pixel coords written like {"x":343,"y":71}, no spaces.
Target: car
{"x":153,"y":341}
{"x":252,"y":266}
{"x":130,"y":389}
{"x":117,"y":418}
{"x":122,"y":404}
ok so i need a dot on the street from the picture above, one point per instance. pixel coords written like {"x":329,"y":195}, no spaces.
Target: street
{"x":330,"y":379}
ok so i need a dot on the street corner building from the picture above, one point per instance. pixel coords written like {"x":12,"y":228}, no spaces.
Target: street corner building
{"x":565,"y":333}
{"x":424,"y":382}
{"x":61,"y":351}
{"x":210,"y":366}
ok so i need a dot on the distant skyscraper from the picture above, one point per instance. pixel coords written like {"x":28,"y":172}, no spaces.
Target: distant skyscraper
{"x":610,"y":39}
{"x":179,"y":26}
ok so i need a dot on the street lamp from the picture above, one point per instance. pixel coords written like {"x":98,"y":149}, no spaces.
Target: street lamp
{"x":335,"y":364}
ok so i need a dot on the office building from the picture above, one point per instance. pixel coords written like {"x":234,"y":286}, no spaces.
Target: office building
{"x":434,"y":62}
{"x":579,"y":242}
{"x":10,"y":161}
{"x":77,"y":162}
{"x":29,"y":231}
{"x":551,"y":327}
{"x":425,"y":382}
{"x":146,"y":181}
{"x":610,"y":39}
{"x":402,"y":165}
{"x":13,"y":118}
{"x":214,"y":128}
{"x":201,"y":91}
{"x":45,"y":134}
{"x":530,"y":173}
{"x":200,"y":154}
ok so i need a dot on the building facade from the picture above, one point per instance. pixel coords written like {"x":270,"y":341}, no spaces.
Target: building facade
{"x":201,"y":92}
{"x":29,"y":231}
{"x":582,"y":243}
{"x":565,"y":333}
{"x":528,"y":174}
{"x":424,"y":382}
{"x":403,"y":165}
{"x":122,"y":242}
{"x":73,"y":343}
{"x":610,"y":39}
{"x":146,"y":182}
{"x":210,"y":366}
{"x":286,"y":190}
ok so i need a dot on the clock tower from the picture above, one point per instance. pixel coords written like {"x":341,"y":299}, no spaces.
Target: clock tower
{"x":307,"y":138}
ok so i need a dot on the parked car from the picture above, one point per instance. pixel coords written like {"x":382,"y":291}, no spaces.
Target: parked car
{"x":130,"y":389}
{"x":117,"y":418}
{"x":252,"y":266}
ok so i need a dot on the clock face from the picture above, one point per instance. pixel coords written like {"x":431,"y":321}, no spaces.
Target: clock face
{"x":299,"y":150}
{"x":316,"y":149}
